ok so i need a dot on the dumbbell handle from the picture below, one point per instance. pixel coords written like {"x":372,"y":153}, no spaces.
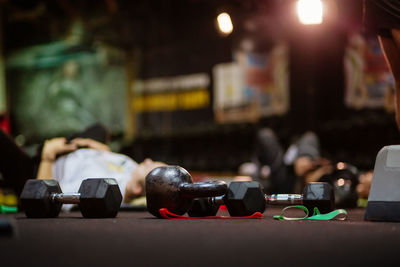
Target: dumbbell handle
{"x":275,"y":199}
{"x":66,"y":198}
{"x":284,"y":199}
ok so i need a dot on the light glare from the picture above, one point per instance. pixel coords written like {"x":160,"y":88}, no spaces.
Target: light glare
{"x":225,"y":23}
{"x":340,"y":165}
{"x":310,"y":11}
{"x":340,"y":182}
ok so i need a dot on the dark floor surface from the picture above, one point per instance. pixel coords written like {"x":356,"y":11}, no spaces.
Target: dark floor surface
{"x":138,"y":239}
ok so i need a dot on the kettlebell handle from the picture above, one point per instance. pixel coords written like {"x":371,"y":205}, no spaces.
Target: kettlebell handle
{"x":203,"y":189}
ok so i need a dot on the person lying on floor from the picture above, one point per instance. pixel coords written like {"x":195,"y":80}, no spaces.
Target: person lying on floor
{"x":288,"y":172}
{"x":93,"y":160}
{"x":70,"y":161}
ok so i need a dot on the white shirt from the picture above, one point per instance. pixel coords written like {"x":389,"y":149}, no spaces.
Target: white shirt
{"x":70,"y":170}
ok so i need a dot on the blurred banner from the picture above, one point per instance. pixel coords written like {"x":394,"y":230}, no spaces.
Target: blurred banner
{"x":369,"y":83}
{"x":60,"y":88}
{"x":164,"y":105}
{"x":255,"y":85}
{"x":171,"y":93}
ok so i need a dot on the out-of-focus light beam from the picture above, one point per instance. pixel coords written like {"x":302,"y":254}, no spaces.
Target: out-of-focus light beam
{"x":310,"y":11}
{"x":225,"y":23}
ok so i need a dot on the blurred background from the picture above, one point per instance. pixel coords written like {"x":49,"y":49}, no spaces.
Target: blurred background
{"x":190,"y":82}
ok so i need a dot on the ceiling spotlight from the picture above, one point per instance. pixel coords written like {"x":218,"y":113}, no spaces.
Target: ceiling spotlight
{"x":225,"y":23}
{"x":310,"y":11}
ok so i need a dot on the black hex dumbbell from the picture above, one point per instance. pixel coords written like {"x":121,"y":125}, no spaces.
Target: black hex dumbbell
{"x":241,"y":199}
{"x":245,"y":198}
{"x":96,"y":198}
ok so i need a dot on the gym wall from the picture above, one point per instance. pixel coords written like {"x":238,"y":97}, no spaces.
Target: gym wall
{"x":168,"y":42}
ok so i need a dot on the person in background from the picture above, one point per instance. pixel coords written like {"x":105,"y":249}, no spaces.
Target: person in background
{"x":288,"y":172}
{"x":70,"y":161}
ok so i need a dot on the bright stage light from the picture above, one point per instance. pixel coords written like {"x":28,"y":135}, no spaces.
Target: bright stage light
{"x":225,"y":23}
{"x":310,"y":11}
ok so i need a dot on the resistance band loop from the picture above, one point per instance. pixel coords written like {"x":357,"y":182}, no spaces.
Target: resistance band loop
{"x":8,"y":209}
{"x":339,"y":214}
{"x":166,"y":214}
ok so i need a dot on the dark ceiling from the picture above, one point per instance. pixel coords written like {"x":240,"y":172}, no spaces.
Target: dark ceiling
{"x":126,"y":23}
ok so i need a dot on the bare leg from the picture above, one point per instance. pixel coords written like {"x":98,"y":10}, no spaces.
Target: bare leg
{"x":391,"y":49}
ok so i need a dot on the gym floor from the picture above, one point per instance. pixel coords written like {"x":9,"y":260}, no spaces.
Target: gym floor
{"x":139,"y":239}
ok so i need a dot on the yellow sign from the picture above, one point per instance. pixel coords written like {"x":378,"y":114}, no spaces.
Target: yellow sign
{"x":170,"y":101}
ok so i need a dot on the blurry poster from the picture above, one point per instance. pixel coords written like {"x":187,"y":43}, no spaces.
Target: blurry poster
{"x":171,"y":93}
{"x":369,"y":83}
{"x":58,"y":89}
{"x":254,"y":86}
{"x":170,"y":104}
{"x":232,"y":101}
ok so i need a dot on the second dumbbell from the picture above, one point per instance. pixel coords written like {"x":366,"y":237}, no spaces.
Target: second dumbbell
{"x":245,"y":198}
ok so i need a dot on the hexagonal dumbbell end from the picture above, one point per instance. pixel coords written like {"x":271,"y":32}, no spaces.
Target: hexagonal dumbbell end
{"x":35,"y":198}
{"x":100,"y":198}
{"x":245,"y":198}
{"x":319,"y":195}
{"x":202,"y":207}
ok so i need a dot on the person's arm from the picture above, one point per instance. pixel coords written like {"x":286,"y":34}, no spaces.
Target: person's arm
{"x":135,"y":187}
{"x":45,"y":170}
{"x":364,"y":185}
{"x":50,"y":150}
{"x":311,"y":170}
{"x":90,"y":143}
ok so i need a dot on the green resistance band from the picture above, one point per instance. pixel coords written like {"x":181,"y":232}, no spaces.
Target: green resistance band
{"x":8,"y":209}
{"x":339,"y":214}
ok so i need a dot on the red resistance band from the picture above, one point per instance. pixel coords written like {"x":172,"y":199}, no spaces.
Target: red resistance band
{"x":166,"y":214}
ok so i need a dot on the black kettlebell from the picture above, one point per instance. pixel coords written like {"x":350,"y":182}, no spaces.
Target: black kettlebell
{"x":344,"y":179}
{"x":172,"y":187}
